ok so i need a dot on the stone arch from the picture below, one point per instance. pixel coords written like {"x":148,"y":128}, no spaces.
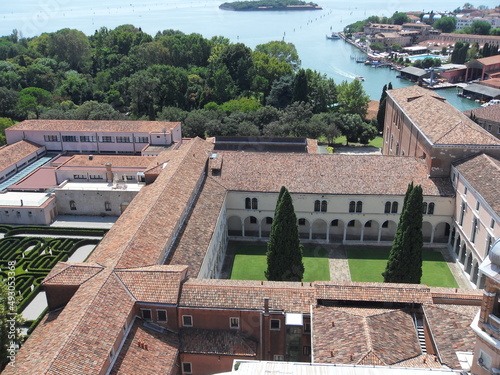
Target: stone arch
{"x":251,"y":225}
{"x":468,"y":262}
{"x":304,"y":228}
{"x":336,"y":230}
{"x":463,"y":253}
{"x":442,"y":233}
{"x":388,"y":230}
{"x":353,"y":230}
{"x":474,"y":273}
{"x":234,"y":226}
{"x":370,"y":230}
{"x":319,"y":229}
{"x":265,"y":226}
{"x":426,"y":231}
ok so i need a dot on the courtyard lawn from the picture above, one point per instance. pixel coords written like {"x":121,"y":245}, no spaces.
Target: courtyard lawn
{"x":250,"y":262}
{"x":368,"y":265}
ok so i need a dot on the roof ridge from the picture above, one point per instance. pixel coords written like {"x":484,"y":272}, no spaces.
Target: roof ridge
{"x":448,"y":132}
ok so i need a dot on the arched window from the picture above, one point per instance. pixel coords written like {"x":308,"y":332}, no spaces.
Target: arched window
{"x":397,"y":148}
{"x":255,"y":204}
{"x":385,"y":224}
{"x":248,"y":203}
{"x":430,"y":209}
{"x":359,"y":206}
{"x":316,"y":206}
{"x":107,"y":206}
{"x":72,"y":205}
{"x":253,"y":220}
{"x":387,"y":209}
{"x":335,"y":223}
{"x":352,"y":206}
{"x":351,"y":223}
{"x":368,"y":224}
{"x":394,"y":208}
{"x":424,"y":208}
{"x":324,"y":206}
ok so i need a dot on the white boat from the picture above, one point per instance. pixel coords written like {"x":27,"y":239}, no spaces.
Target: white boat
{"x":333,"y":36}
{"x":360,"y":78}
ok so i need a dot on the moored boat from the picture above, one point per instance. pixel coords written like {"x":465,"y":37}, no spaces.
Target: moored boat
{"x":333,"y":36}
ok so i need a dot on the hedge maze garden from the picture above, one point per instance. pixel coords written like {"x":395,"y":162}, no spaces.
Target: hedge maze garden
{"x":34,"y":257}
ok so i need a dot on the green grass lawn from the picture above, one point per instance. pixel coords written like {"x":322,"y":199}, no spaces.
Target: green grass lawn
{"x":250,"y":263}
{"x":368,"y":265}
{"x":341,"y":141}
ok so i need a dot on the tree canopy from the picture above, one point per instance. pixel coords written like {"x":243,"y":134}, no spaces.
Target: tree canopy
{"x":284,"y":251}
{"x":405,"y":258}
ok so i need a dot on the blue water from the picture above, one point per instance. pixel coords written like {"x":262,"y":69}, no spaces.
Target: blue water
{"x":421,"y":57}
{"x":306,"y":29}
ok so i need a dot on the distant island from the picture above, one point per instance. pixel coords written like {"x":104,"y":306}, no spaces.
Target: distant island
{"x":270,"y":5}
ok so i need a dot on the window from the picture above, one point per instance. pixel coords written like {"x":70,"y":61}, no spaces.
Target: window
{"x":95,"y":177}
{"x":146,"y":314}
{"x":107,"y":206}
{"x":492,"y":224}
{"x":351,"y":223}
{"x":69,"y":138}
{"x":269,"y":220}
{"x":317,"y":206}
{"x":187,"y":320}
{"x":385,"y":224}
{"x":324,"y":206}
{"x":302,"y":221}
{"x":275,"y":324}
{"x":51,"y":138}
{"x":307,"y":327}
{"x":394,"y":209}
{"x":359,"y":206}
{"x":424,"y":208}
{"x":335,"y":223}
{"x":478,"y":205}
{"x":278,"y":357}
{"x":234,"y":323}
{"x":123,"y":140}
{"x":430,"y":209}
{"x":462,"y":213}
{"x":306,"y":350}
{"x":161,"y":315}
{"x":465,"y":191}
{"x":489,"y":242}
{"x":484,"y":360}
{"x":387,"y":209}
{"x":186,"y":368}
{"x":368,"y":224}
{"x":474,"y":230}
{"x":127,"y":178}
{"x":72,"y":205}
{"x":248,"y":203}
{"x":142,"y":139}
{"x":352,"y":206}
{"x":106,"y":139}
{"x":253,"y":220}
{"x":79,"y":177}
{"x":255,"y":204}
{"x":87,"y":138}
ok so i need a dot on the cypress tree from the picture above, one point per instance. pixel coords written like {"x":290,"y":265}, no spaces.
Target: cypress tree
{"x":284,"y":251}
{"x":405,"y":258}
{"x":300,"y":87}
{"x":381,"y":110}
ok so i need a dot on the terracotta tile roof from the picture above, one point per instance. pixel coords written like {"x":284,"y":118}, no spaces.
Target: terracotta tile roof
{"x":438,"y":120}
{"x":353,"y":336}
{"x":217,"y":342}
{"x":376,"y":292}
{"x":80,"y":338}
{"x":490,"y":113}
{"x":491,"y":60}
{"x":456,"y":294}
{"x":198,"y":231}
{"x":156,"y":284}
{"x":135,"y":239}
{"x":327,"y":174}
{"x":159,"y":358}
{"x":95,"y":126}
{"x":115,"y":160}
{"x":243,"y":294}
{"x":483,"y":173}
{"x":451,"y":331}
{"x":11,"y":154}
{"x":71,"y":273}
{"x":422,"y":361}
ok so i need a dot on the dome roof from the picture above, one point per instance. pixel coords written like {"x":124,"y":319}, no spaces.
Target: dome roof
{"x":494,"y":254}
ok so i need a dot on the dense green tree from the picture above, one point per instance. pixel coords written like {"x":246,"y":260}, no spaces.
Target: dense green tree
{"x":446,"y":24}
{"x":352,"y":98}
{"x":10,"y":322}
{"x":300,"y":87}
{"x":325,"y":124}
{"x":355,"y":129}
{"x":282,"y":51}
{"x":142,"y":89}
{"x":284,"y":252}
{"x":480,"y":27}
{"x":4,"y":124}
{"x":381,"y":109}
{"x":238,"y":60}
{"x":75,"y":88}
{"x":71,"y":46}
{"x":8,"y":101}
{"x":321,"y":91}
{"x":33,"y":100}
{"x":399,"y":18}
{"x":405,"y":258}
{"x":281,"y":94}
{"x":459,"y":54}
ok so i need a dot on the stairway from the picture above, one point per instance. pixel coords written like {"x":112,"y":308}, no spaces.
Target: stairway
{"x":419,"y":325}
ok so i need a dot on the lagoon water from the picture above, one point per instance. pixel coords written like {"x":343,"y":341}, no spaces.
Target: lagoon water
{"x":306,"y":29}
